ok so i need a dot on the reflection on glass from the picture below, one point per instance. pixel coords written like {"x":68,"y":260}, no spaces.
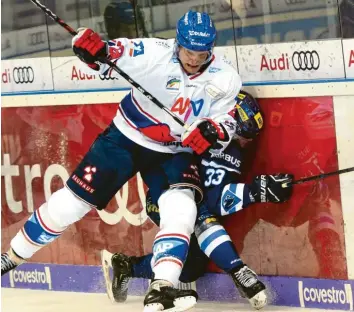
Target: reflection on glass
{"x":346,"y":11}
{"x":26,"y":32}
{"x":161,"y":16}
{"x":273,"y":21}
{"x":124,"y":19}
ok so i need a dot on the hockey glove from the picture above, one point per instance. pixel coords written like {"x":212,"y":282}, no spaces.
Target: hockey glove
{"x":272,"y":188}
{"x":202,"y":135}
{"x":88,"y":47}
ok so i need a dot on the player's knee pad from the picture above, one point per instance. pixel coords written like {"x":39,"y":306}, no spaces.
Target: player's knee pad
{"x":178,"y":210}
{"x":64,"y":209}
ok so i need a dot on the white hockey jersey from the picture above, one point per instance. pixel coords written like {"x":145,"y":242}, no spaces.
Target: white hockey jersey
{"x":153,"y":64}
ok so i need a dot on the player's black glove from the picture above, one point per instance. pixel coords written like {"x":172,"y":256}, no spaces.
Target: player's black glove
{"x":272,"y":188}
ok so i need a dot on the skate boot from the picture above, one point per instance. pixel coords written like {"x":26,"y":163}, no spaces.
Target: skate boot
{"x":249,"y":286}
{"x":9,"y":261}
{"x":122,"y":273}
{"x":161,"y":296}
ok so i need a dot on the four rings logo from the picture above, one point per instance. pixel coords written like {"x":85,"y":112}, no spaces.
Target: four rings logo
{"x":306,"y":60}
{"x":291,"y":2}
{"x":77,"y":74}
{"x":23,"y":74}
{"x":105,"y":77}
{"x":37,"y":38}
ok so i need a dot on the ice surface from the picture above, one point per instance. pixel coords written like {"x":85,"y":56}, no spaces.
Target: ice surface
{"x":25,"y":300}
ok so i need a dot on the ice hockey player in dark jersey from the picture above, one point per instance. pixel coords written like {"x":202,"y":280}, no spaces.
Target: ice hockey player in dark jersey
{"x":224,"y":194}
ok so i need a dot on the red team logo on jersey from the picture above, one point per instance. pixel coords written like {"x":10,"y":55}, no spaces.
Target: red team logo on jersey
{"x":90,"y":171}
{"x":116,"y":49}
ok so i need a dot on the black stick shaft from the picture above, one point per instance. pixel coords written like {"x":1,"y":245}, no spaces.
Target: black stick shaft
{"x":322,"y":176}
{"x":111,"y":64}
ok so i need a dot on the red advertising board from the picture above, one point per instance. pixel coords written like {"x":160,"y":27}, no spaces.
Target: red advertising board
{"x":42,"y":145}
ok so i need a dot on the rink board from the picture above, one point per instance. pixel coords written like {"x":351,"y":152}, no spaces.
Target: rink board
{"x":42,"y":145}
{"x":284,"y":291}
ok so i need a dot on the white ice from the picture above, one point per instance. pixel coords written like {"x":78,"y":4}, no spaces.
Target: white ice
{"x":24,"y":300}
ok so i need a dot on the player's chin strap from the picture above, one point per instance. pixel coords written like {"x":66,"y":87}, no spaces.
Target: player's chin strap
{"x":205,"y":63}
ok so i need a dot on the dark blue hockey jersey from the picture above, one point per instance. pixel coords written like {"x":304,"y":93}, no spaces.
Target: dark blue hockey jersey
{"x":221,"y":173}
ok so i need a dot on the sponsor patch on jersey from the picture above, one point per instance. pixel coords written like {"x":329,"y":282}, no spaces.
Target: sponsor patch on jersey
{"x":229,"y":201}
{"x":213,"y":91}
{"x":163,"y":44}
{"x":214,"y":69}
{"x":116,"y":49}
{"x":136,"y":49}
{"x":173,"y":83}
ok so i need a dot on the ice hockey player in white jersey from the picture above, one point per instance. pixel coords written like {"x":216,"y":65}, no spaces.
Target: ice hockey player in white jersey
{"x":192,"y":82}
{"x":224,"y":194}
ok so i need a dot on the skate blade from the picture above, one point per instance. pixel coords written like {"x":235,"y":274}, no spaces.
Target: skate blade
{"x":181,"y":304}
{"x":106,"y":261}
{"x":259,"y":301}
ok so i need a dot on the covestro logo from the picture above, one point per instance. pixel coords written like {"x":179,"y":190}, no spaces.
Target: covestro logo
{"x":19,"y":276}
{"x":322,"y":296}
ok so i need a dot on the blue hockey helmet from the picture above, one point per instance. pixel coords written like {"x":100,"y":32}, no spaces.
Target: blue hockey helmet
{"x":196,"y":32}
{"x":248,"y":116}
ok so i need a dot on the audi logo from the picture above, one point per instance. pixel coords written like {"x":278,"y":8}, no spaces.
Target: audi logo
{"x":306,"y":60}
{"x":104,"y":77}
{"x":290,"y":2}
{"x":36,"y":38}
{"x":23,"y":74}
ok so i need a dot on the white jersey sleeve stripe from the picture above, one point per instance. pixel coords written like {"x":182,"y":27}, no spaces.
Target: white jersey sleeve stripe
{"x":146,"y":114}
{"x":129,"y":122}
{"x":215,"y":165}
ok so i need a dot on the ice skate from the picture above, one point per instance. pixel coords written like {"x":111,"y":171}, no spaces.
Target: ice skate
{"x":161,"y":296}
{"x":9,"y":261}
{"x":250,"y":286}
{"x":122,"y":273}
{"x":117,"y":287}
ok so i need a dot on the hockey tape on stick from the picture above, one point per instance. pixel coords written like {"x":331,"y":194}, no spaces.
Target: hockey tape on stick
{"x":112,"y":65}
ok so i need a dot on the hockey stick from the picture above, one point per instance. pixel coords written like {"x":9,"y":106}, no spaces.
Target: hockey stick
{"x":111,"y":64}
{"x":320,"y":176}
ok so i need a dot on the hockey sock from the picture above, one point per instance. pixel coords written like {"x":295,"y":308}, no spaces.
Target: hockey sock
{"x":170,"y":250}
{"x":225,"y":255}
{"x":217,"y":245}
{"x":48,"y":222}
{"x":142,"y":267}
{"x":37,"y":232}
